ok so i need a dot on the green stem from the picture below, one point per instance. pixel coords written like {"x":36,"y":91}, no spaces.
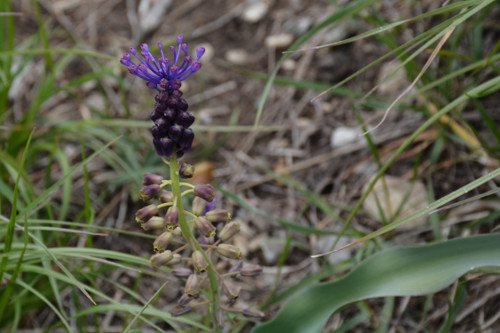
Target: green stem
{"x":191,"y":240}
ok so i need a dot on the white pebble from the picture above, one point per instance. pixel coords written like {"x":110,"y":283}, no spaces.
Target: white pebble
{"x":280,"y":41}
{"x":237,"y":56}
{"x":255,"y":12}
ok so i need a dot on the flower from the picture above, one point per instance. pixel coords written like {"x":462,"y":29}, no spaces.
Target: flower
{"x":161,"y":73}
{"x":171,"y":132}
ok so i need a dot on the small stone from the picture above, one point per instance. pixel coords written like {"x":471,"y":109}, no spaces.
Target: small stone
{"x":237,"y":56}
{"x":255,"y":11}
{"x":342,"y":136}
{"x":280,"y":41}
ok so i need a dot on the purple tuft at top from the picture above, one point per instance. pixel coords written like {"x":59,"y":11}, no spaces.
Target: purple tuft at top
{"x":161,"y":73}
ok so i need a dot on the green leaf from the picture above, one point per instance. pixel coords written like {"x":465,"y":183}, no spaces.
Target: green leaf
{"x":402,"y":271}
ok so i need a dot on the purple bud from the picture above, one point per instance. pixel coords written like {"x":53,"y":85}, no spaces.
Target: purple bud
{"x":185,"y":119}
{"x":170,"y":115}
{"x":206,"y":192}
{"x":172,"y":218}
{"x":177,"y":93}
{"x":176,"y":84}
{"x":195,"y":66}
{"x":167,"y":146}
{"x":150,"y":178}
{"x":180,"y":39}
{"x":149,"y":191}
{"x":164,"y":83}
{"x":157,"y":144}
{"x":175,"y":132}
{"x":187,"y":139}
{"x":145,"y":213}
{"x":200,"y":51}
{"x":182,"y":104}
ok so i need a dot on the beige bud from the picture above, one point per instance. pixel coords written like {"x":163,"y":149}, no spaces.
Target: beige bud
{"x":155,"y":222}
{"x":229,"y":251}
{"x":192,"y":288}
{"x":229,"y":231}
{"x":199,"y":262}
{"x":161,"y":242}
{"x":161,"y":259}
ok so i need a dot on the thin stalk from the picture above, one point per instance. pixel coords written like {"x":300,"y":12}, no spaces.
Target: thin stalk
{"x":191,"y":240}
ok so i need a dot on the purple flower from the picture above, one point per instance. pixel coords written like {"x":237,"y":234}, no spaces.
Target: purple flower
{"x":161,"y":73}
{"x":171,"y":132}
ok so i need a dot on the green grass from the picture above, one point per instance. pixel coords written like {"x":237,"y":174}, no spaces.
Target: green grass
{"x":57,"y":174}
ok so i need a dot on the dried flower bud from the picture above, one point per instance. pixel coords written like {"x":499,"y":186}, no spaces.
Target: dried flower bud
{"x":205,"y":227}
{"x":249,"y":313}
{"x":177,"y":232}
{"x":218,"y":215}
{"x":145,"y":213}
{"x":229,"y":251}
{"x":192,"y":286}
{"x":199,"y":262}
{"x":236,"y":267}
{"x":231,"y":290}
{"x":206,"y":192}
{"x":175,"y":260}
{"x":161,"y":259}
{"x":251,"y":270}
{"x":186,"y":170}
{"x":149,"y":191}
{"x":184,"y":300}
{"x":181,"y":272}
{"x":151,"y":178}
{"x":229,"y":231}
{"x":161,"y":242}
{"x":172,"y":218}
{"x":153,"y":223}
{"x":198,"y":206}
{"x":179,"y":310}
{"x":166,"y":196}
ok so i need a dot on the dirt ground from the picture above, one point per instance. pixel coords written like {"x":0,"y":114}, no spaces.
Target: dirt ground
{"x":317,"y":143}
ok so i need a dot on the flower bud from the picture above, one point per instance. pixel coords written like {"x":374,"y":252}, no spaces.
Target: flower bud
{"x":161,"y":259}
{"x":236,"y":267}
{"x":218,"y":215}
{"x":166,"y":196}
{"x":145,"y":213}
{"x":198,"y":206}
{"x":229,"y":251}
{"x":205,"y":226}
{"x":172,"y":218}
{"x":206,"y":192}
{"x":199,"y":262}
{"x":177,"y":232}
{"x":179,"y":310}
{"x":155,"y":222}
{"x":229,"y":231}
{"x":151,"y":178}
{"x":149,"y":191}
{"x":186,"y":170}
{"x":231,"y":291}
{"x":249,"y":313}
{"x":161,"y":242}
{"x":181,"y":272}
{"x":183,"y":300}
{"x":192,"y":286}
{"x":175,"y":260}
{"x":251,"y":270}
